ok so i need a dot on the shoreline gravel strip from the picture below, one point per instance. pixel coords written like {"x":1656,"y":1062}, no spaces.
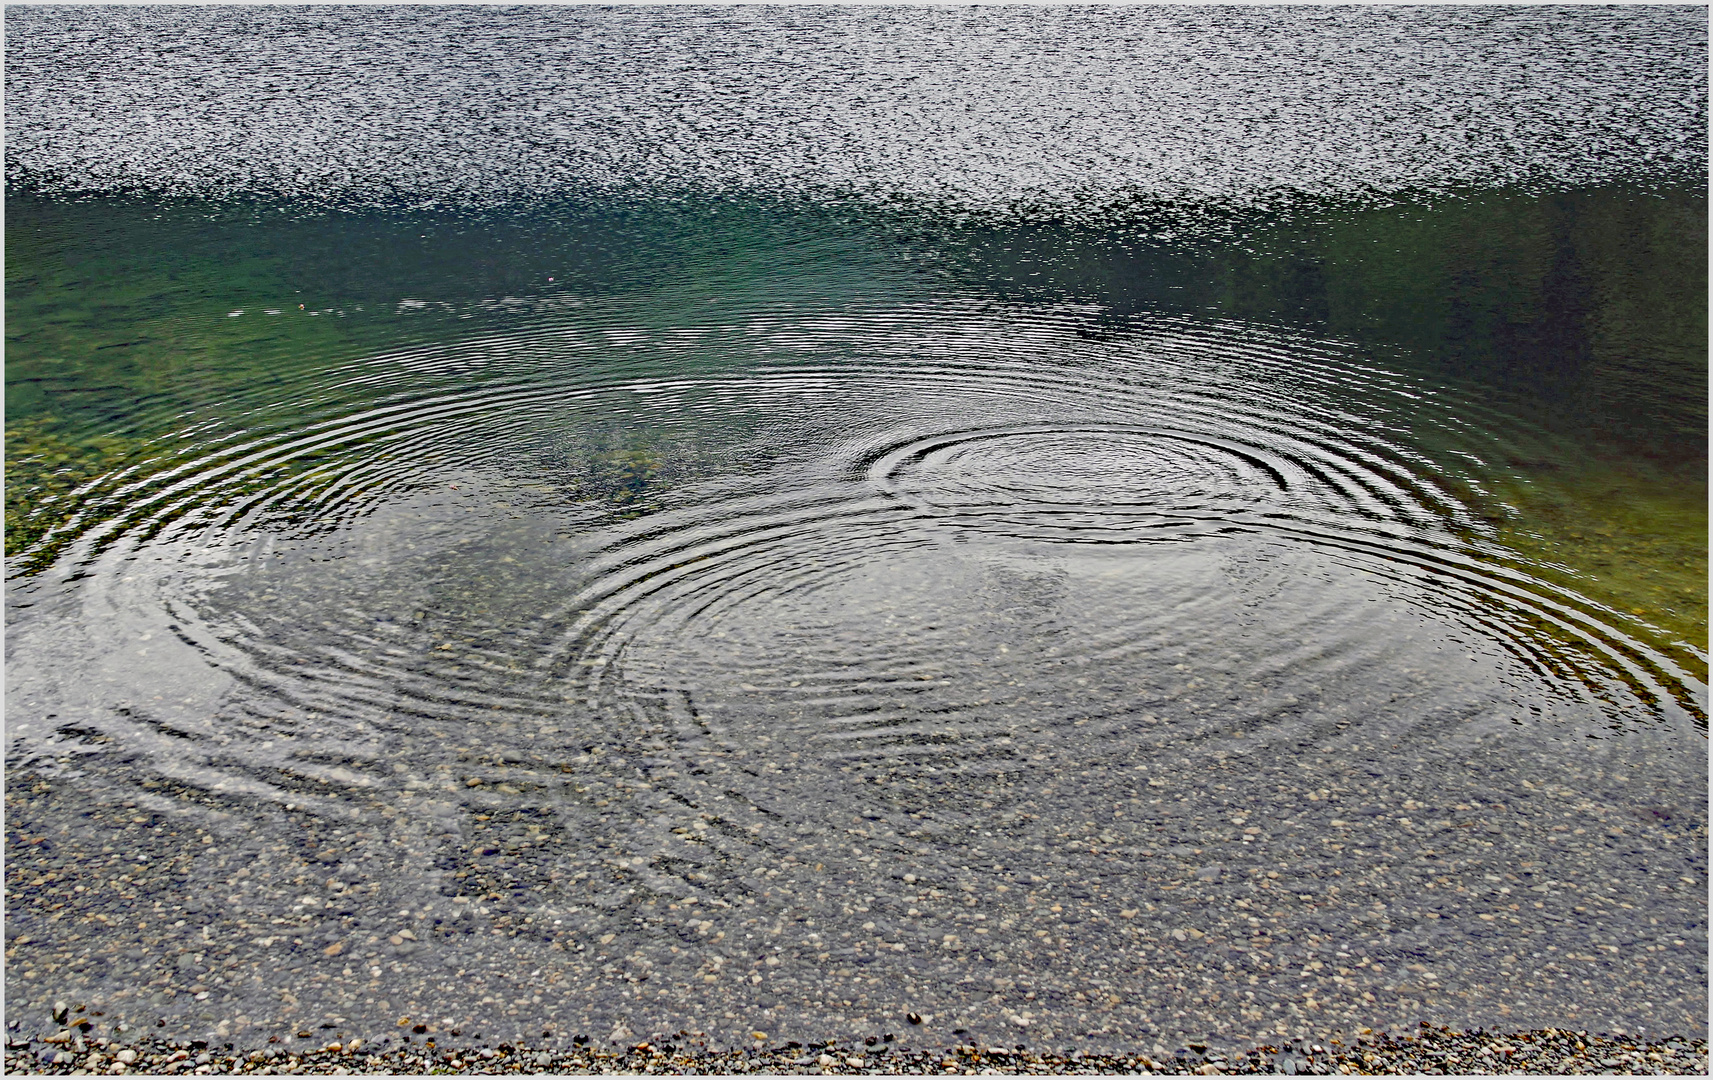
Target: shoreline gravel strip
{"x":1434,"y":1051}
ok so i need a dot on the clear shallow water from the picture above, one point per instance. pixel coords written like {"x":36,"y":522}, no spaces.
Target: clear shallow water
{"x":747,"y":616}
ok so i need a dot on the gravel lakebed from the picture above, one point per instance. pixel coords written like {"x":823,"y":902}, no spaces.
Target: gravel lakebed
{"x":141,"y":939}
{"x":1431,"y":1051}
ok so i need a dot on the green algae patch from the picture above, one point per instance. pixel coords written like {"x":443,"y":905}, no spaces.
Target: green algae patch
{"x":1634,"y":542}
{"x":50,"y":473}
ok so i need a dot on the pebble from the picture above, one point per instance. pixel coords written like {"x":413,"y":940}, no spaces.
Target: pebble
{"x":1574,"y":920}
{"x":1432,"y":1050}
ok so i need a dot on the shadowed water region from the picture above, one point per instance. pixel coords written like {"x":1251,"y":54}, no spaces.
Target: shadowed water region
{"x":611,"y":615}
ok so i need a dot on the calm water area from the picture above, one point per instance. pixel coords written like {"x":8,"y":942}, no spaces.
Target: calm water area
{"x":1093,"y":528}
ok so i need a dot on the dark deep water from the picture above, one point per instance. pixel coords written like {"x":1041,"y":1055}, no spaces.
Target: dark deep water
{"x":1103,"y":528}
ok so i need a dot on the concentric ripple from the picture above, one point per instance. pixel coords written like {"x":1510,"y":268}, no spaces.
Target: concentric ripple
{"x":498,"y":551}
{"x":690,"y":600}
{"x":1089,"y":483}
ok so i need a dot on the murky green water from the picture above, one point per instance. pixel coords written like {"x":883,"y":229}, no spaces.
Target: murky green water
{"x":1577,"y":317}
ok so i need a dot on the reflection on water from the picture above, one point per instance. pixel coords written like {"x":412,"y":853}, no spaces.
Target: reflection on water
{"x":1042,"y":113}
{"x":750,"y":615}
{"x":1581,"y":316}
{"x":613,"y":600}
{"x":1496,"y":445}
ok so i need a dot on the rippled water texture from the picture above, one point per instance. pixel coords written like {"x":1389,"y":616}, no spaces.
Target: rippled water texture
{"x":681,"y":607}
{"x":1062,"y":111}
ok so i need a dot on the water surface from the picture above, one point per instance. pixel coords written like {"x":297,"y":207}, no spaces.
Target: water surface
{"x":1115,"y":596}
